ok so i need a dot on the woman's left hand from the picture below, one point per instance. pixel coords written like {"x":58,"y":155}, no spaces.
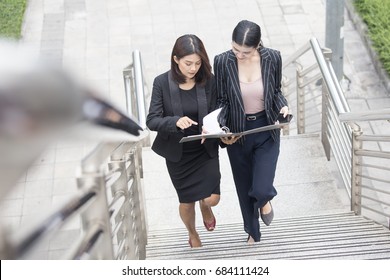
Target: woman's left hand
{"x":284,"y":111}
{"x":230,"y":140}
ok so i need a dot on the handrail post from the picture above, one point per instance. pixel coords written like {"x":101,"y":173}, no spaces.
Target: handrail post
{"x":134,"y":89}
{"x":135,"y":93}
{"x":131,"y":106}
{"x":324,"y":120}
{"x":300,"y":101}
{"x":324,"y":112}
{"x":356,"y":169}
{"x":139,"y":88}
{"x":139,"y":200}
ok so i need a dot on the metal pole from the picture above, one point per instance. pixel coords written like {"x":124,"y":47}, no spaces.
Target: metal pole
{"x":334,"y":34}
{"x":300,"y":101}
{"x":356,"y":170}
{"x":139,"y":88}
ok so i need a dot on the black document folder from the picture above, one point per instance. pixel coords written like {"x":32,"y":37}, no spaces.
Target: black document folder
{"x":279,"y":124}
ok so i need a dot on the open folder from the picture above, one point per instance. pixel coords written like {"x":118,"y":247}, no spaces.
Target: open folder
{"x":281,"y":122}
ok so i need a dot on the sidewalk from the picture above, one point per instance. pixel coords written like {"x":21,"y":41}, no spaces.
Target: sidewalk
{"x":95,"y":38}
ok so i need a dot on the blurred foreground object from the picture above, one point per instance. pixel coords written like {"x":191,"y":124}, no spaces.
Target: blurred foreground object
{"x":40,"y":104}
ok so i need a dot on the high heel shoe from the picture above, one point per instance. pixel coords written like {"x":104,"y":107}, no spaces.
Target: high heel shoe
{"x":210,"y":226}
{"x":267,"y":218}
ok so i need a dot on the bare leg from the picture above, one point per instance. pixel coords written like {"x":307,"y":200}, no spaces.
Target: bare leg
{"x":207,"y":213}
{"x":212,"y":200}
{"x":187,"y":215}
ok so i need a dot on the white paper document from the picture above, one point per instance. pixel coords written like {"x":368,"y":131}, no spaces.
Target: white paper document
{"x":210,"y":122}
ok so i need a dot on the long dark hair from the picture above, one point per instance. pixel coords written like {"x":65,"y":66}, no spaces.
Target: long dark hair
{"x":186,"y":45}
{"x":247,"y":33}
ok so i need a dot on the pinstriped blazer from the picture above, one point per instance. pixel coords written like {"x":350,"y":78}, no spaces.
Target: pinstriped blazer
{"x":229,"y":92}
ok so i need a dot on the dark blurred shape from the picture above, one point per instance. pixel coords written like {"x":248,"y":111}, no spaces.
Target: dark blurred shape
{"x":48,"y":100}
{"x":102,"y":113}
{"x":40,"y":104}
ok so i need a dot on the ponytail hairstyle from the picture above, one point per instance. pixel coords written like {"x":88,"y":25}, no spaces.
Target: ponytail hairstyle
{"x":247,"y":33}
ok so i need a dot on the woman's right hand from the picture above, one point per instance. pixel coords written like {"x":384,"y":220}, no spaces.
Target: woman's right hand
{"x":185,"y":122}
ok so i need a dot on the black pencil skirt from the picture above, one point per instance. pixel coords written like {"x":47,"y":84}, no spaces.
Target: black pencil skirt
{"x":196,"y":176}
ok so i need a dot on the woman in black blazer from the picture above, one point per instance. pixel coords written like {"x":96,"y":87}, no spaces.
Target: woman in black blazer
{"x":180,"y":99}
{"x":248,"y":79}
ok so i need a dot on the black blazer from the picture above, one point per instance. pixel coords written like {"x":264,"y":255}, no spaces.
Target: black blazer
{"x":166,"y":109}
{"x":229,"y":91}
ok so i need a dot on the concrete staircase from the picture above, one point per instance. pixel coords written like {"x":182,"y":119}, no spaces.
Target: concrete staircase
{"x":312,"y":213}
{"x":332,"y":236}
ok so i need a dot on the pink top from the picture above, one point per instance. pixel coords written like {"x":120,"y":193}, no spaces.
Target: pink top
{"x":253,"y":96}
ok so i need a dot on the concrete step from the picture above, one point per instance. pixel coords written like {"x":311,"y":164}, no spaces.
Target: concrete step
{"x":326,"y":236}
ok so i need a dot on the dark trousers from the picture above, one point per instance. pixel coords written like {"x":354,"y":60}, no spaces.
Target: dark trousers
{"x":253,"y":165}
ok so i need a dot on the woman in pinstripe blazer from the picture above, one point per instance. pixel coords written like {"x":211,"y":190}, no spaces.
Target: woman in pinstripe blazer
{"x":248,"y":81}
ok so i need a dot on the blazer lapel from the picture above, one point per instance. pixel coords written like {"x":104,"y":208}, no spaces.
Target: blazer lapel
{"x":233,"y":75}
{"x":202,"y":104}
{"x":265,"y":74}
{"x":175,"y":96}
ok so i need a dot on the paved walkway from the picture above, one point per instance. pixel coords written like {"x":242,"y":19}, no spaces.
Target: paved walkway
{"x":95,"y":38}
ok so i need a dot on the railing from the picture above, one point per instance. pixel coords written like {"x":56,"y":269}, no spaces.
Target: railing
{"x":118,"y":210}
{"x":370,"y":191}
{"x":109,"y":201}
{"x":320,"y":100}
{"x":137,"y":93}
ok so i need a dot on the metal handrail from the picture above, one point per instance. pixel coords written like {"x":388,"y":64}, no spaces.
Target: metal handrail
{"x":23,"y":245}
{"x":330,"y":79}
{"x":90,"y":197}
{"x":114,"y":168}
{"x":342,"y":137}
{"x":380,"y":114}
{"x":293,"y":59}
{"x":134,"y":83}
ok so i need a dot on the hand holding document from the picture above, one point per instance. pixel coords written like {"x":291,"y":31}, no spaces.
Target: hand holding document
{"x":213,"y":129}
